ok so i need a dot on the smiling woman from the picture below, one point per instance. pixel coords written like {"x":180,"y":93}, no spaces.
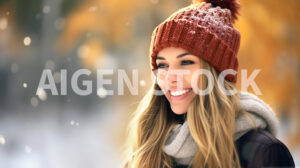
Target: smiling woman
{"x":176,"y":58}
{"x":183,"y":129}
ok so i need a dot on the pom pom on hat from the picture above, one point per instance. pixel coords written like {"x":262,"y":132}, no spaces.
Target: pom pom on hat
{"x":232,"y":5}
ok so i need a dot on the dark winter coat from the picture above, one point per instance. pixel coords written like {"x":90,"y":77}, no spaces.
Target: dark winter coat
{"x":259,"y":148}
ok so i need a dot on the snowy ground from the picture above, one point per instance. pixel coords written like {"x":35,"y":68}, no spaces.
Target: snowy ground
{"x":67,"y":142}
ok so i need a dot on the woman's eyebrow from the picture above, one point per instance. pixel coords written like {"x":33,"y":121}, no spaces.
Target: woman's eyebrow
{"x":160,"y":58}
{"x":184,"y":54}
{"x":179,"y":56}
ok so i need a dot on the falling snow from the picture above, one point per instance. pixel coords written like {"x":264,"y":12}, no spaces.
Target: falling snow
{"x":142,"y":83}
{"x":41,"y":93}
{"x":28,"y":149}
{"x":46,"y":9}
{"x":50,"y":65}
{"x":83,"y":51}
{"x":101,"y":92}
{"x":34,"y":101}
{"x":25,"y":85}
{"x":93,"y":8}
{"x":27,"y":41}
{"x":74,"y":123}
{"x":2,"y":140}
{"x":192,"y":32}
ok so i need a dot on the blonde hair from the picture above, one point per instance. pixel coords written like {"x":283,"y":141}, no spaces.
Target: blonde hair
{"x":211,"y":119}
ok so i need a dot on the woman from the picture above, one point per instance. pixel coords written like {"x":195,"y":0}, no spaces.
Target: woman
{"x":200,"y":120}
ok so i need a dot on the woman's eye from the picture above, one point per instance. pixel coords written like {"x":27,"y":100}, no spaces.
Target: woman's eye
{"x":187,"y":62}
{"x":161,"y":65}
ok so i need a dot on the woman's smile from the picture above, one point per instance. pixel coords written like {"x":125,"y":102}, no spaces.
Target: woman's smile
{"x":177,"y":95}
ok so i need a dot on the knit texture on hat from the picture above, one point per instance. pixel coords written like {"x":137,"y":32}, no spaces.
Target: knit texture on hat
{"x":204,"y":30}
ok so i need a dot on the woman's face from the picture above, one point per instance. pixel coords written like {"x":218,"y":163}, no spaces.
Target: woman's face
{"x":174,"y":76}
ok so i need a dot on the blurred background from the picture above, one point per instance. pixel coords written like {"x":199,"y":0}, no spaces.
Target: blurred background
{"x":64,"y":131}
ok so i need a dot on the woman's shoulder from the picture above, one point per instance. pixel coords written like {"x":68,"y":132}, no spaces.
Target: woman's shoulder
{"x":259,"y":148}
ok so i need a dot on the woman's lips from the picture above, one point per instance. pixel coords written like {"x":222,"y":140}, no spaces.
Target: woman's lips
{"x":176,"y":97}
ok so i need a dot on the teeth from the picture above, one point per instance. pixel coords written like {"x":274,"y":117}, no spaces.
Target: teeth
{"x":179,"y":92}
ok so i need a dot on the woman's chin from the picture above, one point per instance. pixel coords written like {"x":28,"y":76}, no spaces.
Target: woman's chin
{"x":179,"y":111}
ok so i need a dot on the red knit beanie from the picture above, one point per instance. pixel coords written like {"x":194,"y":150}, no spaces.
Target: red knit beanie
{"x":205,"y":29}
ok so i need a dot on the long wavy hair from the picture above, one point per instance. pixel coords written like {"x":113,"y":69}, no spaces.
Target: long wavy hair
{"x":211,"y":119}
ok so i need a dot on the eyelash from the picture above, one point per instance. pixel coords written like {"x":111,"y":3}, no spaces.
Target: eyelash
{"x":185,"y":62}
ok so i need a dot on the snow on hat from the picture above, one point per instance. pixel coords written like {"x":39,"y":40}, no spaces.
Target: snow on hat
{"x":204,"y":28}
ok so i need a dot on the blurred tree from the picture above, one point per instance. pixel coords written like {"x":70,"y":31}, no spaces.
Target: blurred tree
{"x":28,"y":13}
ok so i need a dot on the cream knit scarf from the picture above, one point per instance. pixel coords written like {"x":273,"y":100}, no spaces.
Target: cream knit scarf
{"x":181,"y":146}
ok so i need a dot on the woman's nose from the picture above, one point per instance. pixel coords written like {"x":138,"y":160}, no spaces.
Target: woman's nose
{"x":172,"y":77}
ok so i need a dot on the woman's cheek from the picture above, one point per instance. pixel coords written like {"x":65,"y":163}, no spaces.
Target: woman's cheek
{"x":194,"y":75}
{"x":188,"y":78}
